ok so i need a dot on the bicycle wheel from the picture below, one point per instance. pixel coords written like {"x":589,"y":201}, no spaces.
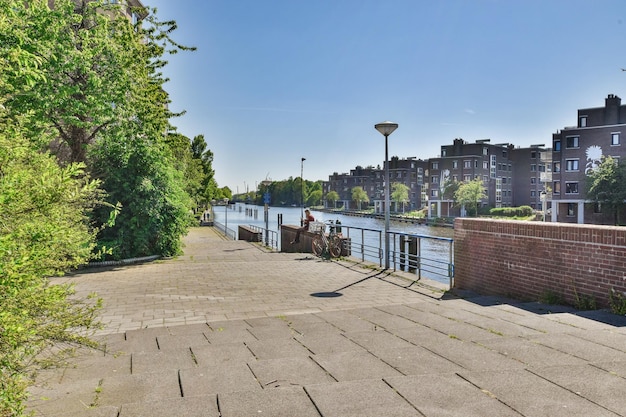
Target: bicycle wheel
{"x":317,"y":245}
{"x":334,"y":246}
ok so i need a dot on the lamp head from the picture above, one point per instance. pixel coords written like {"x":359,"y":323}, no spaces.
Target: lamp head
{"x":386,"y":128}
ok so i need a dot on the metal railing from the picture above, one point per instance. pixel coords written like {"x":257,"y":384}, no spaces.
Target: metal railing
{"x":226,"y":231}
{"x":270,"y":237}
{"x":419,"y":254}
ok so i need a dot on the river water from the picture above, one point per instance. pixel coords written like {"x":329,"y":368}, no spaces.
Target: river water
{"x":247,"y":214}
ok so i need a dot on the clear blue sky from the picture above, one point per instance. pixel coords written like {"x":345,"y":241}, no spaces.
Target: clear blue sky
{"x":273,"y":81}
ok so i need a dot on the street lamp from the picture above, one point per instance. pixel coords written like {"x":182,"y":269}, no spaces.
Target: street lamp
{"x":302,"y":191}
{"x":386,"y":129}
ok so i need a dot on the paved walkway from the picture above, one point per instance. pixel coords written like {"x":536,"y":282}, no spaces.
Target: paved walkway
{"x":229,"y":329}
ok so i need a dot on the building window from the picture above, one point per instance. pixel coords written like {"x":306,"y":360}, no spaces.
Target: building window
{"x":485,"y":164}
{"x":571,"y":142}
{"x":467,"y":178}
{"x":556,"y":187}
{"x":467,"y":164}
{"x":571,"y":209}
{"x":557,"y":167}
{"x":435,"y":165}
{"x":533,"y":154}
{"x":571,"y":188}
{"x":485,"y":151}
{"x":582,"y":121}
{"x":571,"y":165}
{"x":434,"y":179}
{"x":533,"y":167}
{"x":533,"y":180}
{"x":556,"y":146}
{"x":444,"y":152}
{"x":455,"y":178}
{"x":533,"y":193}
{"x":615,"y":139}
{"x":455,"y":164}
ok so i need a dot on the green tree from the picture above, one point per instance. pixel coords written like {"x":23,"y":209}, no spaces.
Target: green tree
{"x":314,"y":198}
{"x":359,"y":196}
{"x":332,"y":197}
{"x":606,"y":185}
{"x":400,"y":193}
{"x":470,"y":193}
{"x":101,"y":90}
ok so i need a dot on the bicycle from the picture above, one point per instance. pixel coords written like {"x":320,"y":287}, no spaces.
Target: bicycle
{"x":330,"y":245}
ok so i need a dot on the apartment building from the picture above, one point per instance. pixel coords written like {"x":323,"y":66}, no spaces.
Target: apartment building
{"x":532,"y":176}
{"x":409,"y":171}
{"x":576,"y":151}
{"x":464,"y":161}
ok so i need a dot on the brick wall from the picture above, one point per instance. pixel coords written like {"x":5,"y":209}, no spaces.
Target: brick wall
{"x":528,"y":260}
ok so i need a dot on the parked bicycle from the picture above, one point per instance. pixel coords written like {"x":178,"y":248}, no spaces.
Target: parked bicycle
{"x":326,"y":245}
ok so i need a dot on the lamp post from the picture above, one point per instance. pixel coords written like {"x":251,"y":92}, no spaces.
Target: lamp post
{"x":302,"y":191}
{"x":386,"y":129}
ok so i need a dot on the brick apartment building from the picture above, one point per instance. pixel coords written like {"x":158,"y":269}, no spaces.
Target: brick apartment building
{"x":409,"y":171}
{"x":575,"y":153}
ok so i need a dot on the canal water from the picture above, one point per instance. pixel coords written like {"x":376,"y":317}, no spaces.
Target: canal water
{"x":246,"y":214}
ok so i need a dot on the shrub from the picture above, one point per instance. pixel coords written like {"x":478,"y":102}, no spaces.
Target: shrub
{"x":43,"y":232}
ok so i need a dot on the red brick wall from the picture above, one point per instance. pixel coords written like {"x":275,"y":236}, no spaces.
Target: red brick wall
{"x":528,"y":260}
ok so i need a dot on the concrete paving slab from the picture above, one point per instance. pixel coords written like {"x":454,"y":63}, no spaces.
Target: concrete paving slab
{"x":578,"y":321}
{"x":227,"y":335}
{"x":314,"y":328}
{"x":531,"y":354}
{"x":365,"y":398}
{"x":173,"y":407}
{"x":147,"y":344}
{"x":274,"y":332}
{"x":188,"y":329}
{"x":377,"y":341}
{"x":448,"y":395}
{"x":274,"y":349}
{"x":383,"y":319}
{"x":96,"y":412}
{"x":531,"y":395}
{"x":286,"y":372}
{"x":217,"y":380}
{"x":417,"y":361}
{"x":611,"y":338}
{"x":351,"y":366}
{"x":213,"y":355}
{"x":279,"y":402}
{"x":600,"y":387}
{"x":470,"y":355}
{"x":56,"y":399}
{"x":420,"y":334}
{"x":145,"y":387}
{"x":181,"y":341}
{"x":321,"y":343}
{"x":84,"y":366}
{"x":171,"y":360}
{"x":616,"y":367}
{"x":581,"y":348}
{"x":345,"y":321}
